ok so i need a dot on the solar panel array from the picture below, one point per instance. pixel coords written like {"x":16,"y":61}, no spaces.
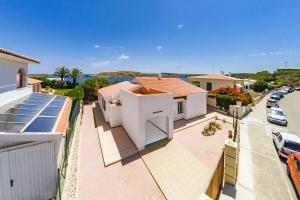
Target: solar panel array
{"x":35,"y":113}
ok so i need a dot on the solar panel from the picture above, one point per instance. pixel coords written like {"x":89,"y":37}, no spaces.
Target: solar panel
{"x":11,"y":127}
{"x":35,"y":102}
{"x":22,"y":111}
{"x":57,"y":103}
{"x":29,"y":106}
{"x":60,"y":98}
{"x":15,"y":118}
{"x":41,"y":124}
{"x":51,"y":111}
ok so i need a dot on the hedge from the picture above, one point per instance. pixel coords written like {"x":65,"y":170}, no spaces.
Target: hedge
{"x":224,"y":101}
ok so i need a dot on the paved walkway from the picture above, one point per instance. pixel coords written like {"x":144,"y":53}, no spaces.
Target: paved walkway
{"x":128,"y":179}
{"x":260,"y":175}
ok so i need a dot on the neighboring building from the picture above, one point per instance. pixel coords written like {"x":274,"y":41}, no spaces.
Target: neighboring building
{"x":248,"y":83}
{"x":31,"y":132}
{"x":147,"y":107}
{"x":211,"y":82}
{"x":35,"y":84}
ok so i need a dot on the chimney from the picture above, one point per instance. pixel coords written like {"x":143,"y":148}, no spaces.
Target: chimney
{"x":159,"y":76}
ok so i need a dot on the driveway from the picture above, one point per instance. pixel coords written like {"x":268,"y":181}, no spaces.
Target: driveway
{"x":129,"y":179}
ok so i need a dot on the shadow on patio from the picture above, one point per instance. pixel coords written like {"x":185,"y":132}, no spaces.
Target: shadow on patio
{"x":116,"y":145}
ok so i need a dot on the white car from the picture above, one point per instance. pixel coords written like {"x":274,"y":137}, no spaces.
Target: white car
{"x":286,"y":143}
{"x":275,"y":115}
{"x":272,"y":103}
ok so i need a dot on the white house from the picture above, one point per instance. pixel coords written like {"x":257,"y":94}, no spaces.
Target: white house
{"x":31,"y":132}
{"x":147,"y":107}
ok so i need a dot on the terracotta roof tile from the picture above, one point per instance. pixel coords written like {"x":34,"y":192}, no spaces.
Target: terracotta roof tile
{"x":175,"y":86}
{"x":115,"y":88}
{"x":18,"y":55}
{"x":32,"y":81}
{"x":216,"y":77}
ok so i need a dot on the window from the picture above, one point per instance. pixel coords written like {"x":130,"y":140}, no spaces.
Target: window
{"x":279,"y":138}
{"x":209,"y":86}
{"x":180,"y":107}
{"x":103,"y":104}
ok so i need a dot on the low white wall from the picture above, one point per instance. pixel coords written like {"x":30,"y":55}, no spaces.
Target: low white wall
{"x":115,"y":118}
{"x":196,"y":105}
{"x":212,"y":102}
{"x":105,"y":112}
{"x":8,"y":75}
{"x":13,"y":95}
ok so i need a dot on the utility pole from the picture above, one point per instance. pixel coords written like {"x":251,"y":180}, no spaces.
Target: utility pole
{"x":286,"y":64}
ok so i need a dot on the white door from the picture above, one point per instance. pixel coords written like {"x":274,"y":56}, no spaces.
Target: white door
{"x":32,"y":172}
{"x":5,"y":189}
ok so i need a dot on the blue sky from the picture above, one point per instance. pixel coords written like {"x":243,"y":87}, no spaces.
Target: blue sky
{"x":154,"y":36}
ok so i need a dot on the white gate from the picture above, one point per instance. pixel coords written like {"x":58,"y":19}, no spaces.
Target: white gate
{"x":28,"y":173}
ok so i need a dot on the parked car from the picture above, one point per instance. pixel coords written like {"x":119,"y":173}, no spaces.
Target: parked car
{"x":283,"y":91}
{"x":275,"y":95}
{"x":275,"y":115}
{"x":297,"y":88}
{"x":293,"y":169}
{"x":286,"y":143}
{"x":272,"y":103}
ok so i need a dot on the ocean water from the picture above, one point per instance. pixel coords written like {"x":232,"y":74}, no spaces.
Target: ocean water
{"x":112,"y":79}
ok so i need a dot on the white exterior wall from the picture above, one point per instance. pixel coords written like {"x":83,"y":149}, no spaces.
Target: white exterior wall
{"x":175,"y":109}
{"x":196,"y":105}
{"x":137,"y":109}
{"x":215,"y":83}
{"x":8,"y":75}
{"x":105,"y":112}
{"x":115,"y":118}
{"x":130,"y":118}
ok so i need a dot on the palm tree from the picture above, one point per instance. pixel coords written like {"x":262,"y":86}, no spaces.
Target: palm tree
{"x":75,"y":73}
{"x":62,"y":71}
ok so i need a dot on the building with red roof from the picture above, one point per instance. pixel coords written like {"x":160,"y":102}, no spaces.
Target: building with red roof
{"x":147,"y":107}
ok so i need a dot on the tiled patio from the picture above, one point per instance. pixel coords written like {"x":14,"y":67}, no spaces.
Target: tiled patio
{"x":179,"y":174}
{"x":128,"y":179}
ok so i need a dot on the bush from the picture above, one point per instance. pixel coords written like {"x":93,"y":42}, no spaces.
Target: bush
{"x":91,"y":87}
{"x":224,"y":101}
{"x":77,"y":93}
{"x":260,"y":86}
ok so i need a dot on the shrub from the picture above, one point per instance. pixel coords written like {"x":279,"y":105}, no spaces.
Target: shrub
{"x":77,"y":93}
{"x":260,"y":86}
{"x":91,"y":87}
{"x":224,"y":101}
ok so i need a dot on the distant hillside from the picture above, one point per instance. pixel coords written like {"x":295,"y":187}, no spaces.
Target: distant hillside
{"x":242,"y":75}
{"x":125,"y":73}
{"x":135,"y":73}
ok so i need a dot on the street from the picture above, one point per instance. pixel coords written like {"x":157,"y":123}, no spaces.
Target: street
{"x":290,"y":106}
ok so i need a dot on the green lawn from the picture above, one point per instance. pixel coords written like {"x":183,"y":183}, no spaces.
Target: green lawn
{"x":61,"y":91}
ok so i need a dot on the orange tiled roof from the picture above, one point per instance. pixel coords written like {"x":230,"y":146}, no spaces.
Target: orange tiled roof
{"x":18,"y":55}
{"x":175,"y":86}
{"x":63,"y":120}
{"x":32,"y":81}
{"x":216,"y":77}
{"x":115,"y":88}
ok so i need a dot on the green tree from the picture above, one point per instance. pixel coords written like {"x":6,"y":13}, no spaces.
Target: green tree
{"x":260,"y":86}
{"x":62,"y":71}
{"x":75,"y":73}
